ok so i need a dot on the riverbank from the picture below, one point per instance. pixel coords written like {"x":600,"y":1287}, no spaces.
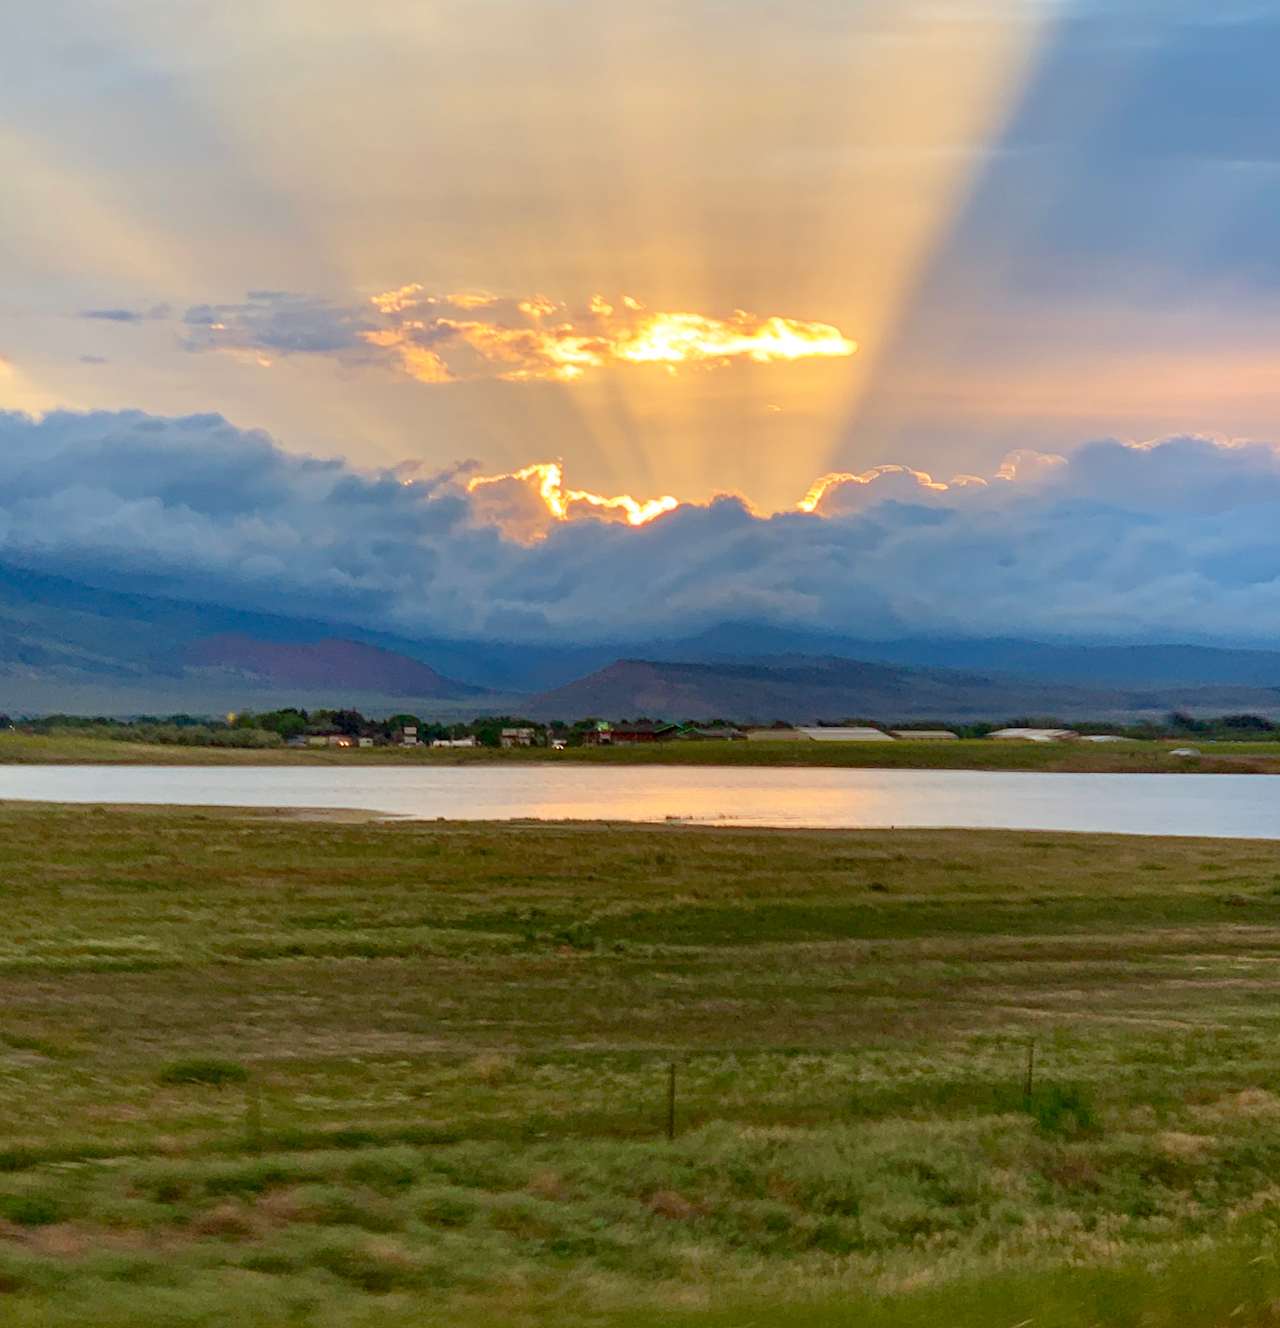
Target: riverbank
{"x":273,"y":1071}
{"x":975,"y":754}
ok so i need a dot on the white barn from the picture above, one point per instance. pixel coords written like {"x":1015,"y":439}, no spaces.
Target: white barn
{"x":853,"y":734}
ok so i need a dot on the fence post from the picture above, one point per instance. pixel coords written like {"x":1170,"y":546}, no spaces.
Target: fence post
{"x":671,"y":1101}
{"x":1029,"y":1084}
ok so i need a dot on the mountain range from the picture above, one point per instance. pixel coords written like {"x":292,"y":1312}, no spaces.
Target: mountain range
{"x":68,"y":646}
{"x":802,"y":688}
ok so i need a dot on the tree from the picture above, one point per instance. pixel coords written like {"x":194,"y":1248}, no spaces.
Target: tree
{"x":288,"y":723}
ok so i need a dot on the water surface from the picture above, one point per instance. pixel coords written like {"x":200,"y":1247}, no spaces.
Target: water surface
{"x":1235,"y":806}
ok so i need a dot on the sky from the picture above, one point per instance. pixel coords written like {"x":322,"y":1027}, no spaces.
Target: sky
{"x":913,"y":296}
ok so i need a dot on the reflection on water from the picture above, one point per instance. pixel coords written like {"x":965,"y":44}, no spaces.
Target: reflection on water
{"x":1239,"y":806}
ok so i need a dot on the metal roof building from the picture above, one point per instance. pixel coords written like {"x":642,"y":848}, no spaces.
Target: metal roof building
{"x":859,"y":733}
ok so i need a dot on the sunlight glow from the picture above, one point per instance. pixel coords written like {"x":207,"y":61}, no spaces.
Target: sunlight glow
{"x":819,"y":487}
{"x":549,"y":476}
{"x":476,"y":334}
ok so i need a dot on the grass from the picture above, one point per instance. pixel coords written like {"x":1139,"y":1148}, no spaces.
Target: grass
{"x":970,"y":754}
{"x":278,"y":1072}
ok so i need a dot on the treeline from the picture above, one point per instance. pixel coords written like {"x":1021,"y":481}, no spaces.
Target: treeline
{"x":177,"y":730}
{"x":276,"y":728}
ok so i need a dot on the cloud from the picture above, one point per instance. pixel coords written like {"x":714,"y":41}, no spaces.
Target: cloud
{"x":1174,"y":541}
{"x":843,"y":494}
{"x":527,"y":503}
{"x":280,"y":322}
{"x":126,"y":315}
{"x":471,"y":335}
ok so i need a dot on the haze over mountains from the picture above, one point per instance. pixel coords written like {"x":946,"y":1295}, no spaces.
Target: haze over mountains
{"x":67,"y":646}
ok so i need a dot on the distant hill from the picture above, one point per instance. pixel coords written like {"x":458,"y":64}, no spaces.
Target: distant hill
{"x":315,"y":665}
{"x":68,"y":646}
{"x":802,"y":689}
{"x":1146,"y":665}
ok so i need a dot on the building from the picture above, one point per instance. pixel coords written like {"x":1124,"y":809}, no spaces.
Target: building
{"x":453,"y":742}
{"x":784,"y":734}
{"x":409,"y":735}
{"x":853,"y":733}
{"x":519,"y":737}
{"x":1034,"y":735}
{"x":644,"y":731}
{"x":364,"y":742}
{"x":712,"y":733}
{"x":926,"y":735}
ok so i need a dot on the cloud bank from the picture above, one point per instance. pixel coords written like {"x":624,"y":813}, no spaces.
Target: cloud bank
{"x":1174,"y":540}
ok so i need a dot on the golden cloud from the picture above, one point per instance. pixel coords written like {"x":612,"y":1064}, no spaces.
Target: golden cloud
{"x":502,"y":500}
{"x":526,"y":504}
{"x":476,"y":334}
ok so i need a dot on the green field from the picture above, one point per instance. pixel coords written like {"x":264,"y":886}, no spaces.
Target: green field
{"x":972,"y":754}
{"x":332,"y":1072}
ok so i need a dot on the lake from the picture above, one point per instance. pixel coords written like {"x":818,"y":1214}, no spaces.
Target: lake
{"x":1233,"y":806}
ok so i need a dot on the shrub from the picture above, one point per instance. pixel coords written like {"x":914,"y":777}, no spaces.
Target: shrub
{"x":30,"y":1210}
{"x":1062,"y":1110}
{"x":385,"y":1172}
{"x":332,"y":1206}
{"x":204,"y":1071}
{"x":449,"y":1209}
{"x":372,"y":1270}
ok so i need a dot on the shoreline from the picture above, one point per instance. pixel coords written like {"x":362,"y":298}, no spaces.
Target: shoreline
{"x":982,"y":755}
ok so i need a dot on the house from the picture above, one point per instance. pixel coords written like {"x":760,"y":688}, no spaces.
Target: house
{"x":364,"y":742}
{"x":453,"y":742}
{"x":643,"y":731}
{"x":926,"y":735}
{"x":852,"y":733}
{"x":409,"y":735}
{"x":1034,"y":735}
{"x":518,"y":737}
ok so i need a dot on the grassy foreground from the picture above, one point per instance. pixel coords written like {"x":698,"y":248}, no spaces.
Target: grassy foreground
{"x":271,"y":1072}
{"x":971,"y":754}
